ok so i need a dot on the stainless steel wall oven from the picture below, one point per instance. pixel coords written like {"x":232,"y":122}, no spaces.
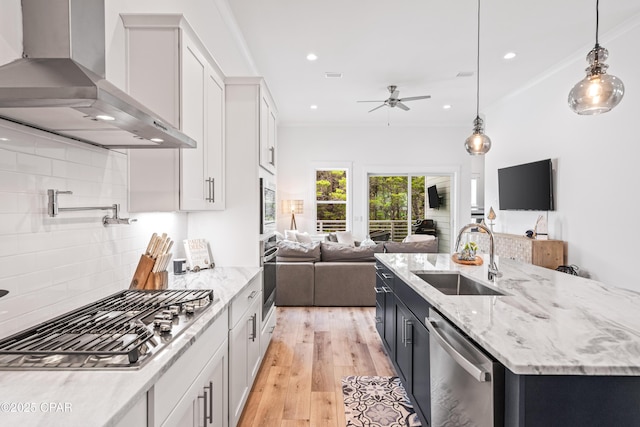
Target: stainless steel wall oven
{"x":268,"y":252}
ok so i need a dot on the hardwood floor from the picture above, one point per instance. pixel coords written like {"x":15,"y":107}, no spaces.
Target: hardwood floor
{"x":299,"y":383}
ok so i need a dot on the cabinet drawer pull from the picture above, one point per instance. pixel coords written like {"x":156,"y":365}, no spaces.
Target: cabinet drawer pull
{"x":378,"y":319}
{"x":387,"y":290}
{"x":252,"y":294}
{"x":379,"y":290}
{"x":387,"y":276}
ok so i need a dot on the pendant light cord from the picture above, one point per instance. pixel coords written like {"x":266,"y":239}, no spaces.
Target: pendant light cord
{"x":597,"y":20}
{"x":478,"y":67}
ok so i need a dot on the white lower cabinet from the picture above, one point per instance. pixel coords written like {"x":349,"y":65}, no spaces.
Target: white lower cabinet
{"x":193,"y":391}
{"x":244,"y":347}
{"x":136,"y":416}
{"x":268,"y":326}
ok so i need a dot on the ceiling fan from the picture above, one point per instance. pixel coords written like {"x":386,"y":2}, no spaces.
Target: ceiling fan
{"x":394,"y":101}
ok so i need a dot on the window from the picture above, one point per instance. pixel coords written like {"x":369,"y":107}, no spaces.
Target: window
{"x":397,"y":201}
{"x":331,"y":200}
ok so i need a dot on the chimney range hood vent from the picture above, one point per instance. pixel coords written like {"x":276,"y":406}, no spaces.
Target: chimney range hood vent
{"x":59,"y":86}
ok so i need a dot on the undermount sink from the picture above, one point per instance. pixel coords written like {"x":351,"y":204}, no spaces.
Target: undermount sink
{"x":453,"y":283}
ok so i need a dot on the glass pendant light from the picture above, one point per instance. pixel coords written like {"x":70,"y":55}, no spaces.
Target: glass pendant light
{"x":598,"y":92}
{"x":478,"y":143}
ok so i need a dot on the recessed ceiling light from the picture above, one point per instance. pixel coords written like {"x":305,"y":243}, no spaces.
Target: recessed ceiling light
{"x":312,"y":57}
{"x":105,"y":117}
{"x":465,"y":74}
{"x":5,"y":139}
{"x":313,"y":107}
{"x":446,"y":107}
{"x":156,"y":140}
{"x":333,"y":75}
{"x":509,"y":55}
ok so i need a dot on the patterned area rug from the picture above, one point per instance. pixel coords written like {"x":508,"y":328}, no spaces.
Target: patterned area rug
{"x":377,"y":402}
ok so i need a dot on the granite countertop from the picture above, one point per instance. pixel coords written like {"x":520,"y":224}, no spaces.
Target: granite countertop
{"x":550,"y":323}
{"x":102,"y":398}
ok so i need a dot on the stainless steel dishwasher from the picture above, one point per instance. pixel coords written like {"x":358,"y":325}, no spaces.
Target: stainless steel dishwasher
{"x":467,"y":387}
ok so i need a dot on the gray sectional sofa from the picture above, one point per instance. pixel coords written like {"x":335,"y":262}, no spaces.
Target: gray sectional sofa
{"x":332,"y":274}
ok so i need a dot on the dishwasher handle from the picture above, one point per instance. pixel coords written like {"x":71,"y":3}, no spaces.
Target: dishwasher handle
{"x":476,"y":372}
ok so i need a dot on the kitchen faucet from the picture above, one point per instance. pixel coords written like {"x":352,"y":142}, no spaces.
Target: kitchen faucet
{"x":493,"y":268}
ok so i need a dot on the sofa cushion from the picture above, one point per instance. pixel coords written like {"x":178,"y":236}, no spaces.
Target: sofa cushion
{"x":336,"y":252}
{"x":289,"y":251}
{"x":429,"y":246}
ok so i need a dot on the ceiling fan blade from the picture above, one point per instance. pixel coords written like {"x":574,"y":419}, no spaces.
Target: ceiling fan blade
{"x":402,"y":106}
{"x":371,"y":101}
{"x":379,"y":106}
{"x":395,"y":94}
{"x":414,"y":98}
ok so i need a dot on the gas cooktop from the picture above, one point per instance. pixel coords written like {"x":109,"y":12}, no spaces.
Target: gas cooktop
{"x":121,"y":331}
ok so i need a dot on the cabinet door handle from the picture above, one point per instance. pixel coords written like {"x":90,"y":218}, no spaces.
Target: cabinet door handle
{"x":204,"y":407}
{"x":403,"y":336}
{"x":378,"y":319}
{"x":210,"y":387}
{"x":272,"y":152}
{"x":253,"y":320}
{"x":387,"y":290}
{"x":212,"y":194}
{"x":213,"y":189}
{"x":408,"y":340}
{"x":252,"y":294}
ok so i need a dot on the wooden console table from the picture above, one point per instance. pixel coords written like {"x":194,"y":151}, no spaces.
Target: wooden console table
{"x":545,"y":253}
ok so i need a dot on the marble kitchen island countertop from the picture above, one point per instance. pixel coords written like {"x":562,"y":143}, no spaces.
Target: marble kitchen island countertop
{"x":101,"y":398}
{"x":550,"y":323}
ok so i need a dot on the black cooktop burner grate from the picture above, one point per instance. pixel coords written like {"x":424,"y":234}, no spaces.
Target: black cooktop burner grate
{"x":114,"y":332}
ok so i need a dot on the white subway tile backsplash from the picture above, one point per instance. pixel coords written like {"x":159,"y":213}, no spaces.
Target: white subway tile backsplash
{"x":32,"y":164}
{"x":8,"y":160}
{"x":53,"y":265}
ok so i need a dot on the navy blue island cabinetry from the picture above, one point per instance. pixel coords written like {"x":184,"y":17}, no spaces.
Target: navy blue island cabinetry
{"x":519,"y":399}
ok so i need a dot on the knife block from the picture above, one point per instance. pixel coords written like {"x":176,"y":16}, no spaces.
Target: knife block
{"x":157,"y":281}
{"x":140,"y":277}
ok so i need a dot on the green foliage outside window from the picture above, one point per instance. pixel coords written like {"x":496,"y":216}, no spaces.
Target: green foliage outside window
{"x":331,"y":186}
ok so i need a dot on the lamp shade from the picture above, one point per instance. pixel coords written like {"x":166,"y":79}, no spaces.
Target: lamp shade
{"x":293,"y":206}
{"x":492,"y":214}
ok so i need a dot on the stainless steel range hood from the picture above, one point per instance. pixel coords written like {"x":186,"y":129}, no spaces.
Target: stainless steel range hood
{"x":59,"y":86}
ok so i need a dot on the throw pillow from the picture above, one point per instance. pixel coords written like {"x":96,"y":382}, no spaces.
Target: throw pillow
{"x":279,"y":236}
{"x":289,"y":251}
{"x":345,"y":237}
{"x":290,"y":235}
{"x":303,"y":237}
{"x":418,"y":238}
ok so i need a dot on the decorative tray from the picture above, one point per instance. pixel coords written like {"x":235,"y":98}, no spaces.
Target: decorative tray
{"x":476,"y":261}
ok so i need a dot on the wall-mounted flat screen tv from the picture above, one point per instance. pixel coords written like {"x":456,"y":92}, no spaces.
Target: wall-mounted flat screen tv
{"x":434,"y":200}
{"x":526,"y":187}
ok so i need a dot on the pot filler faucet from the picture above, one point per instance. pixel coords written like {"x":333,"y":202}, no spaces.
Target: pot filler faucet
{"x":493,"y":268}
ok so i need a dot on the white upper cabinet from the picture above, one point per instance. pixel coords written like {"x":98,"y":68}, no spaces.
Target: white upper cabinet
{"x":170,"y":71}
{"x":253,"y":109}
{"x":267,"y":133}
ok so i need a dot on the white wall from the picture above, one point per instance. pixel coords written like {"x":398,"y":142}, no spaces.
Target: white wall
{"x":595,"y":157}
{"x":368,"y":149}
